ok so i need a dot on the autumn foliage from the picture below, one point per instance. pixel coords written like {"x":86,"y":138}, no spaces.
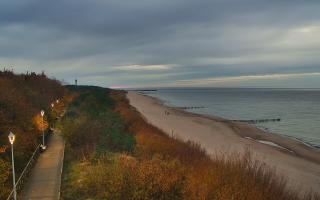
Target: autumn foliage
{"x":161,"y":167}
{"x":21,"y":99}
{"x":40,"y":123}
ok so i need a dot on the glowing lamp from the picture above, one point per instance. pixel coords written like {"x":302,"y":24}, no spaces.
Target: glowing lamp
{"x":11,"y":137}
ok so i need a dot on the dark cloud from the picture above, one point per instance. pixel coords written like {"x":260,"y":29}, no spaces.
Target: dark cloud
{"x":198,"y":39}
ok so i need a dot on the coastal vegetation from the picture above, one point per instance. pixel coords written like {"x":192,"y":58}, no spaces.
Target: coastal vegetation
{"x":113,"y":153}
{"x":21,"y":99}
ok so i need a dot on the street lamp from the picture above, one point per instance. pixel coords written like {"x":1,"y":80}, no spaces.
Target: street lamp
{"x":11,"y":137}
{"x":52,"y":105}
{"x":42,"y":146}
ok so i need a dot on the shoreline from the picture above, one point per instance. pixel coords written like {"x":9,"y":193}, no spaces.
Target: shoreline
{"x":291,"y":158}
{"x":316,"y":147}
{"x":260,"y":132}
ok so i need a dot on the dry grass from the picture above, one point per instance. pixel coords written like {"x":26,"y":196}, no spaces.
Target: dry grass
{"x":161,"y":167}
{"x":223,"y":177}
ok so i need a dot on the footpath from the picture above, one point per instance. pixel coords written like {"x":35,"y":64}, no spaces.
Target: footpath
{"x":45,"y":180}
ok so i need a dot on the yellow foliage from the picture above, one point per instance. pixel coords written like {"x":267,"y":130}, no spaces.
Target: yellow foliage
{"x":3,"y":149}
{"x":41,"y":125}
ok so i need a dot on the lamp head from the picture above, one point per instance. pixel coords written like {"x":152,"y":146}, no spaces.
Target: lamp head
{"x":42,"y":113}
{"x":11,"y":137}
{"x":57,"y":100}
{"x":52,"y":105}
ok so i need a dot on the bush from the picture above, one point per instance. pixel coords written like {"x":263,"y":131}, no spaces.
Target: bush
{"x":91,"y":127}
{"x":123,"y":177}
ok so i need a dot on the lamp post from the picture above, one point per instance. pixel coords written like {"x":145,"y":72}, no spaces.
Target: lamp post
{"x":11,"y":137}
{"x":42,"y":146}
{"x":52,"y":106}
{"x":58,"y":101}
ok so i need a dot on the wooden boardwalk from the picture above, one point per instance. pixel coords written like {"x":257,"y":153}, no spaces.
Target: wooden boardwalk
{"x":45,"y":180}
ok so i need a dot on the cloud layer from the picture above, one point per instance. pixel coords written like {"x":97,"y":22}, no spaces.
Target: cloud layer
{"x":163,"y":43}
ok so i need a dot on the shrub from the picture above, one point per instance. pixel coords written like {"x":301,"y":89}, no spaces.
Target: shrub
{"x":91,"y":127}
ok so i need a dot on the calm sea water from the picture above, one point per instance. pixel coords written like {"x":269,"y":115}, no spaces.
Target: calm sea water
{"x":299,"y":109}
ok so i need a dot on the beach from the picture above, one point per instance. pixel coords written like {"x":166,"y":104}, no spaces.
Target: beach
{"x":297,"y":162}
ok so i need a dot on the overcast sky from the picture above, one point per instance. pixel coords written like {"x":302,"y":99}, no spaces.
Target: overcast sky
{"x":148,"y":43}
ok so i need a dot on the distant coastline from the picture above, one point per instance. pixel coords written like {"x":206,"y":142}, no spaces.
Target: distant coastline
{"x":143,"y":90}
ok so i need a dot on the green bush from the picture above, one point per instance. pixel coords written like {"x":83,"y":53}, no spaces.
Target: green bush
{"x":91,"y":126}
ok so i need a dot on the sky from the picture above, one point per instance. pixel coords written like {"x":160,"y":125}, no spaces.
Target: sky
{"x":165,"y":43}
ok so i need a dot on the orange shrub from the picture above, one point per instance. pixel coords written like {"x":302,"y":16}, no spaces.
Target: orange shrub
{"x":41,"y":124}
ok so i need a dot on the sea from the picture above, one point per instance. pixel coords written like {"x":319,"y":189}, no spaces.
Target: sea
{"x":297,"y":109}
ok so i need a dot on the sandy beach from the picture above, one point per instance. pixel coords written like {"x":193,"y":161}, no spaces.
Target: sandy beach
{"x":297,"y":162}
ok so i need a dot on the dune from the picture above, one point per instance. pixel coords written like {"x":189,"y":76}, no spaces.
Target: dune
{"x":295,"y":161}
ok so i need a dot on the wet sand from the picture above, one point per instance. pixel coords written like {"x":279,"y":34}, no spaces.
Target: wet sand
{"x":297,"y":162}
